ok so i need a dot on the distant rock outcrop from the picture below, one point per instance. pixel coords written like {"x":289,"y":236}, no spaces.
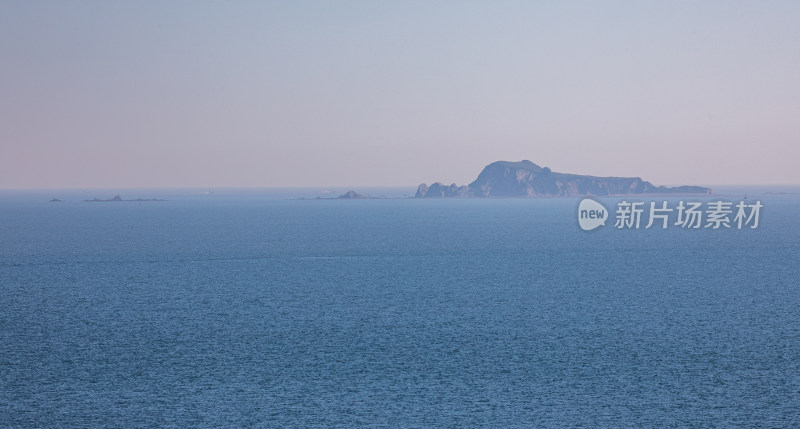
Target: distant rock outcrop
{"x":56,"y":200}
{"x":118,"y":199}
{"x":526,"y":179}
{"x":351,"y":195}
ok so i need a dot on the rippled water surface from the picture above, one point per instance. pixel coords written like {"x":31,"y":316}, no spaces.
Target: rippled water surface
{"x":264,"y":311}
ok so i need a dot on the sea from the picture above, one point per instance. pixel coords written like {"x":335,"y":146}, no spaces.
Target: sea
{"x":275,"y":308}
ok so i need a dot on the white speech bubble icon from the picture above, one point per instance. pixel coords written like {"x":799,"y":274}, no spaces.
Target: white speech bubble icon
{"x":591,"y":214}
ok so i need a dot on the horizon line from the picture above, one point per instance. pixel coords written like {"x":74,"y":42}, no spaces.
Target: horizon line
{"x":233,"y":187}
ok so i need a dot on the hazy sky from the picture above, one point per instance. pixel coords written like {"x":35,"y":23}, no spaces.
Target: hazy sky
{"x":335,"y":93}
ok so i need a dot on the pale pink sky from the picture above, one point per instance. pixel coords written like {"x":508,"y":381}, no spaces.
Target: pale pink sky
{"x":211,"y":94}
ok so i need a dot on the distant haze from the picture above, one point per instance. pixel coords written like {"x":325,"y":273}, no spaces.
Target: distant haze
{"x":211,"y":94}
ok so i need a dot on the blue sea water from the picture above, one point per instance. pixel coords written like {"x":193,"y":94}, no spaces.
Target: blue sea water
{"x":251,"y":309}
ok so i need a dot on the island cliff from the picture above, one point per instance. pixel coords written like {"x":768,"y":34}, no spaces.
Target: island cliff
{"x":526,"y":179}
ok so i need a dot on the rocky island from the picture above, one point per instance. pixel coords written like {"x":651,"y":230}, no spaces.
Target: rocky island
{"x":526,"y":179}
{"x":352,"y":195}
